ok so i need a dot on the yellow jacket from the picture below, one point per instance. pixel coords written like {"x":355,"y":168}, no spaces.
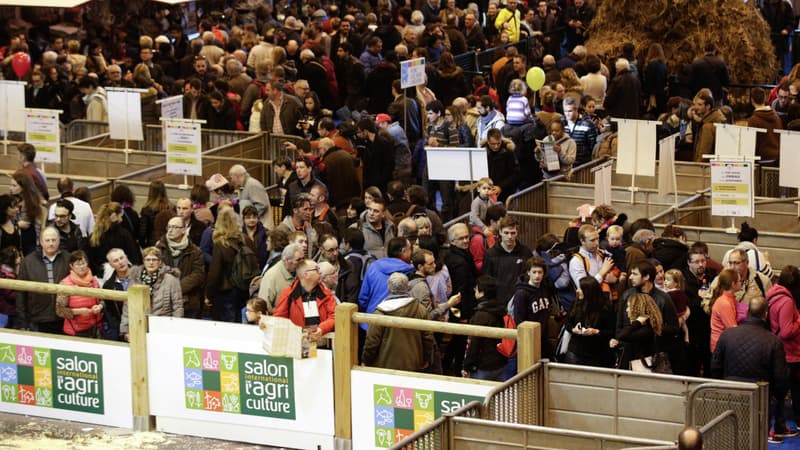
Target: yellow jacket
{"x":513,"y":19}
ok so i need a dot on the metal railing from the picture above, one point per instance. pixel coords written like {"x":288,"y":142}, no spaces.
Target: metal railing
{"x":436,"y":435}
{"x":721,"y":432}
{"x":749,"y":405}
{"x":78,"y":130}
{"x":518,"y":400}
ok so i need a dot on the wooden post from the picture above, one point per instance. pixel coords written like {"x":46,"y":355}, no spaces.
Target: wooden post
{"x":345,"y":356}
{"x":529,"y":345}
{"x":138,"y":309}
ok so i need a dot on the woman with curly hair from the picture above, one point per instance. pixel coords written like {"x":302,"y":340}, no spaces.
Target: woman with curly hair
{"x":226,"y":300}
{"x":638,"y":336}
{"x":109,"y":233}
{"x":32,"y":215}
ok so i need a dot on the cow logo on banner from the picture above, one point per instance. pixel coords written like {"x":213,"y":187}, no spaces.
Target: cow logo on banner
{"x":400,"y":411}
{"x":238,"y":383}
{"x":51,"y":378}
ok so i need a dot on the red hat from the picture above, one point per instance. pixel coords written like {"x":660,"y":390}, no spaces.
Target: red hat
{"x":380,"y":118}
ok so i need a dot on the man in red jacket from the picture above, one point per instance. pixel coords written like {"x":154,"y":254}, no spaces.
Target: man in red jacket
{"x":307,"y":303}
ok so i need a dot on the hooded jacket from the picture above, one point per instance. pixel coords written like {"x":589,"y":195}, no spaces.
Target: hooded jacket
{"x":482,"y":353}
{"x":397,"y":348}
{"x":784,"y":321}
{"x":503,"y":167}
{"x":165,"y":296}
{"x":671,"y":253}
{"x":374,"y":288}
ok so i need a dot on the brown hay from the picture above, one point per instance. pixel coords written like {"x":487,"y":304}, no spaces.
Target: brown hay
{"x":683,"y":28}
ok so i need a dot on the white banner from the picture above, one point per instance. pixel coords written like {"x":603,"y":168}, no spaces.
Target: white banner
{"x":790,"y":159}
{"x":82,"y":380}
{"x":172,"y":107}
{"x":666,"y":166}
{"x":124,"y":114}
{"x":182,"y":141}
{"x":388,"y":407}
{"x":12,"y":106}
{"x":735,"y":140}
{"x":452,"y":163}
{"x":732,"y":189}
{"x":602,"y":185}
{"x":412,"y":72}
{"x":213,"y":379}
{"x":43,"y":132}
{"x":636,"y":151}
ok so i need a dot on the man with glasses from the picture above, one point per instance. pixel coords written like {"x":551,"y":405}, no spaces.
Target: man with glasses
{"x":347,"y":283}
{"x":754,"y":284}
{"x":329,"y":277}
{"x":280,"y":276}
{"x":697,"y":279}
{"x":179,"y":252}
{"x":307,"y":303}
{"x":781,"y":104}
{"x":69,"y":232}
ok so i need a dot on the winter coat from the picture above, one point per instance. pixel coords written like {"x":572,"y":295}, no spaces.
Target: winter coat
{"x":768,"y":145}
{"x":290,"y":305}
{"x":463,"y":276}
{"x":750,"y":353}
{"x":784,"y":321}
{"x":482,"y":353}
{"x":374,"y":288}
{"x":374,"y":242}
{"x":705,"y":137}
{"x":671,"y":253}
{"x":117,"y":236}
{"x":192,"y":272}
{"x":593,"y":348}
{"x":535,"y":304}
{"x":165,"y":295}
{"x":340,"y":177}
{"x":503,"y":168}
{"x":506,"y":267}
{"x":397,"y":348}
{"x":638,"y":341}
{"x":624,"y":96}
{"x":35,"y":307}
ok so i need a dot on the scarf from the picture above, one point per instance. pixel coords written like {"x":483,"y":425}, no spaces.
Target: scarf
{"x":487,"y":118}
{"x":176,"y":248}
{"x":83,"y":281}
{"x":149,"y":279}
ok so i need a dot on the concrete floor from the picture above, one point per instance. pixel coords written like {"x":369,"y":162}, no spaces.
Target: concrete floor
{"x":26,"y":432}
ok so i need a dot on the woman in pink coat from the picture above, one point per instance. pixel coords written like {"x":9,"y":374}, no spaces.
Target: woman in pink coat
{"x":784,"y":321}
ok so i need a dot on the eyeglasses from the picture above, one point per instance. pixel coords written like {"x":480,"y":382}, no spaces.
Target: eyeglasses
{"x":171,"y":227}
{"x":313,"y":269}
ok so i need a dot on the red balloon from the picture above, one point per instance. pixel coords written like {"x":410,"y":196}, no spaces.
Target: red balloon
{"x":21,"y":62}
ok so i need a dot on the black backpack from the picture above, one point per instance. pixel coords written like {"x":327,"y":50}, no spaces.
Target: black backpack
{"x":245,"y":267}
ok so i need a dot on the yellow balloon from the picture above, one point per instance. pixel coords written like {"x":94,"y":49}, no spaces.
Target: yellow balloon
{"x":535,"y":78}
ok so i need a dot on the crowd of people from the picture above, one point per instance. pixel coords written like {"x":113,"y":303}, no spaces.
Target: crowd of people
{"x":361,"y":221}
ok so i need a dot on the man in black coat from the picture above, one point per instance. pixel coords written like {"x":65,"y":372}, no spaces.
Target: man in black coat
{"x":37,"y":311}
{"x":377,"y":156}
{"x":697,"y":279}
{"x":624,"y":93}
{"x":462,"y":276}
{"x":506,"y":261}
{"x":750,"y":352}
{"x":709,"y":71}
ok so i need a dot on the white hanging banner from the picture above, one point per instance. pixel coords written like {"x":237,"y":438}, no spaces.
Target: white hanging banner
{"x":451,"y":163}
{"x":125,"y":114}
{"x":183,"y":145}
{"x":790,"y":159}
{"x":43,"y":132}
{"x":412,"y":72}
{"x":12,"y":105}
{"x":735,"y":140}
{"x":636,"y":151}
{"x":602,"y":185}
{"x":171,"y":107}
{"x":732,"y":189}
{"x":666,"y":166}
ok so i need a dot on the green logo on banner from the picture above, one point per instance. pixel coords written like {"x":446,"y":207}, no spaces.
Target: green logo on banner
{"x":399,"y":411}
{"x":51,"y":378}
{"x":238,"y":383}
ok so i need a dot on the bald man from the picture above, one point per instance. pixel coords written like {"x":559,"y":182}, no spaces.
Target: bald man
{"x":251,"y":192}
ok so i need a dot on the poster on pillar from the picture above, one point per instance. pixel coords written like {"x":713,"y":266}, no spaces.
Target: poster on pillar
{"x":42,"y":130}
{"x":790,"y":159}
{"x":182,"y":140}
{"x":732,"y":189}
{"x":636,"y":147}
{"x":12,"y":106}
{"x":125,"y":114}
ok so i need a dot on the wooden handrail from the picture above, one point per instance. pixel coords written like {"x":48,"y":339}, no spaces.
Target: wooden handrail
{"x":435,"y":326}
{"x":59,"y":289}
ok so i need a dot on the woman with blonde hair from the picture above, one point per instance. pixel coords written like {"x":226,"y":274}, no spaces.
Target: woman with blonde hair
{"x":226,"y":300}
{"x":638,"y":336}
{"x":110,"y":233}
{"x":571,"y":82}
{"x":723,"y":304}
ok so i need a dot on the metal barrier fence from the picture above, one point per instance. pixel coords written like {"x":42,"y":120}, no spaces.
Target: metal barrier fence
{"x":768,"y":184}
{"x":210,"y":138}
{"x":78,"y":130}
{"x":709,"y":400}
{"x":436,"y":435}
{"x":720,"y":433}
{"x":518,"y":400}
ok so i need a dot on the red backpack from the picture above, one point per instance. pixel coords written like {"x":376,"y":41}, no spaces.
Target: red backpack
{"x":508,"y":346}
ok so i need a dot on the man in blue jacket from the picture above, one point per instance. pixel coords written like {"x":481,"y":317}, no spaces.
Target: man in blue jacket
{"x":374,"y":288}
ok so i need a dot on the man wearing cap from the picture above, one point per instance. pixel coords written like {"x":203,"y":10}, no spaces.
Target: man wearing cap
{"x":251,"y":192}
{"x":70,"y":233}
